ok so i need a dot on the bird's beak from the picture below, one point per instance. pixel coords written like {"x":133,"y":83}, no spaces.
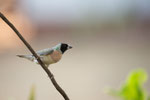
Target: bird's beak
{"x":69,"y":47}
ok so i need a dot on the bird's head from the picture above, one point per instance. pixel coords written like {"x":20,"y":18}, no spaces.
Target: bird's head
{"x":64,"y":47}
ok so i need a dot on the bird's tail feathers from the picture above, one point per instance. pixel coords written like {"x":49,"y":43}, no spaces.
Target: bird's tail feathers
{"x":29,"y":57}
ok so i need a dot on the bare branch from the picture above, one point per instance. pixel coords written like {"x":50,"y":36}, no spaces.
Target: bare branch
{"x":51,"y":77}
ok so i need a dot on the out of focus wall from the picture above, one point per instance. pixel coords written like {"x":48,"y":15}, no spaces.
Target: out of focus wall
{"x":109,"y":38}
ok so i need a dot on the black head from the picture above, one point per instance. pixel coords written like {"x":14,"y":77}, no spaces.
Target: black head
{"x":64,"y":47}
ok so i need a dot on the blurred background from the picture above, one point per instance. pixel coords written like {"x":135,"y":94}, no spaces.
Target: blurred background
{"x":109,"y":38}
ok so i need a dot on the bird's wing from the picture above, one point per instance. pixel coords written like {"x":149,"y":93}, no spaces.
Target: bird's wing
{"x":45,"y":52}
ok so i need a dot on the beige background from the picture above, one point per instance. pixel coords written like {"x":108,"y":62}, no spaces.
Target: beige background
{"x":109,"y":39}
{"x":95,"y":63}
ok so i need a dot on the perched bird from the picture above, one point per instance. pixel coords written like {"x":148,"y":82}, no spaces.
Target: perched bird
{"x":49,"y":55}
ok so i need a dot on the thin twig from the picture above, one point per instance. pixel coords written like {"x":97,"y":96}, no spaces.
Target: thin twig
{"x":51,"y":77}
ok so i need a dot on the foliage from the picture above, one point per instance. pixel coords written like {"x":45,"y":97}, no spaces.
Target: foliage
{"x":133,"y":89}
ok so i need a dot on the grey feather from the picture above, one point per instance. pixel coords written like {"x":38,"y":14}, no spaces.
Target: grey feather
{"x":42,"y":53}
{"x":45,"y":52}
{"x":29,"y":57}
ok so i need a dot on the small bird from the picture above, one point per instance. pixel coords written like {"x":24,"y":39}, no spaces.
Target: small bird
{"x":49,"y":55}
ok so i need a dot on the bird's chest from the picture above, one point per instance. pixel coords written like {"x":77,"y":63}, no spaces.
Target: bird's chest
{"x":52,"y":58}
{"x":56,"y":56}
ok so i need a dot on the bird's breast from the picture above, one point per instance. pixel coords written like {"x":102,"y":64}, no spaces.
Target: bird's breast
{"x":52,"y":58}
{"x":56,"y":56}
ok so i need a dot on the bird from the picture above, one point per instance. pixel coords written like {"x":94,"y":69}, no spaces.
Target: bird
{"x":49,"y":55}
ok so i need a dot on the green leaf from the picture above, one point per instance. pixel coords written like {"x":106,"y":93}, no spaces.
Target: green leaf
{"x":133,"y":89}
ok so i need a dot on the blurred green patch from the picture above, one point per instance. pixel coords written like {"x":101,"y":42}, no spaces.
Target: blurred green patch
{"x":32,"y":93}
{"x":133,"y":88}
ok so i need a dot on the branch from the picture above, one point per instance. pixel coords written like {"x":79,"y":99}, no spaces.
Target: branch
{"x":50,"y":75}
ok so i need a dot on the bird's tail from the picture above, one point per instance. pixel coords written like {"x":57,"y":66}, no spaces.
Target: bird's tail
{"x":29,"y":57}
